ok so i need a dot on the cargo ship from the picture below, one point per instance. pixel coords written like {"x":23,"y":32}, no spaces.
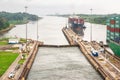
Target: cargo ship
{"x":76,"y":24}
{"x":113,"y":34}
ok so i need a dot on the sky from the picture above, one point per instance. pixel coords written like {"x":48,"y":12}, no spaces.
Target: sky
{"x":45,"y":7}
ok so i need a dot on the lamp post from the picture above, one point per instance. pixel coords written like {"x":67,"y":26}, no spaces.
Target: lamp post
{"x":37,"y":30}
{"x":26,"y":27}
{"x":91,"y":26}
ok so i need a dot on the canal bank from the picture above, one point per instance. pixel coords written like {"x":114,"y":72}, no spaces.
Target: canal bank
{"x":17,"y":70}
{"x":7,"y":29}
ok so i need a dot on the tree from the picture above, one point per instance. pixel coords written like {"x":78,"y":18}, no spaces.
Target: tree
{"x":3,"y":23}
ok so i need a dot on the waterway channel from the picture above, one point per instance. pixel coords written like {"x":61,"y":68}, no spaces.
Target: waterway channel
{"x":66,"y":63}
{"x":49,"y":31}
{"x":58,"y":63}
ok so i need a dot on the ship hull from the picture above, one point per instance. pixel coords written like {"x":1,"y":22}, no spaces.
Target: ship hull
{"x":115,"y":47}
{"x":78,"y":30}
{"x":76,"y":24}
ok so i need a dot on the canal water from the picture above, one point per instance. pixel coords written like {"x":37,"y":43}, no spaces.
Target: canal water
{"x":98,"y":32}
{"x":58,"y":63}
{"x":49,"y":30}
{"x":66,"y":63}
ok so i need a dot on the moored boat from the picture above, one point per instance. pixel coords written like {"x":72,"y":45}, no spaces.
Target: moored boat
{"x":76,"y":24}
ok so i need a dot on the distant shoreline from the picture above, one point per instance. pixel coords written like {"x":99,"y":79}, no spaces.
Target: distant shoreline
{"x":11,"y":26}
{"x":7,"y":29}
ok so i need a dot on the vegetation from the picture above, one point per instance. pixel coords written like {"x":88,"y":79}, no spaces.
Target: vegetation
{"x":21,"y":61}
{"x":22,"y":40}
{"x":7,"y":18}
{"x":3,"y":41}
{"x":6,"y":59}
{"x":94,"y":18}
{"x":18,"y":22}
{"x":3,"y":23}
{"x":18,"y":16}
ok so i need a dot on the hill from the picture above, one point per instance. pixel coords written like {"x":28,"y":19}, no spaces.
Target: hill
{"x":7,"y":18}
{"x":94,"y":18}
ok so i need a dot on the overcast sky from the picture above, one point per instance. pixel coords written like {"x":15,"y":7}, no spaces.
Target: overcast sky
{"x":43,"y":7}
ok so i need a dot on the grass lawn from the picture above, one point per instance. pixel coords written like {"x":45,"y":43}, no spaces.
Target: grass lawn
{"x":22,"y":40}
{"x":21,"y":61}
{"x":6,"y":58}
{"x":3,"y":43}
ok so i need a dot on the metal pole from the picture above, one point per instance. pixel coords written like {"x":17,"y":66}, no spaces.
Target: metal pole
{"x":26,"y":27}
{"x":37,"y":30}
{"x":91,"y":26}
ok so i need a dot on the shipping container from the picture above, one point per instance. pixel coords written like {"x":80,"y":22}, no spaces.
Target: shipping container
{"x":108,"y":24}
{"x":115,"y":47}
{"x":112,"y":21}
{"x":112,"y":29}
{"x":113,"y":34}
{"x":70,"y":20}
{"x":108,"y":38}
{"x":108,"y":35}
{"x":108,"y":31}
{"x":112,"y":18}
{"x":117,"y":18}
{"x":117,"y":34}
{"x":75,"y":20}
{"x":80,"y":21}
{"x":117,"y":39}
{"x":117,"y":21}
{"x":117,"y":30}
{"x":108,"y":21}
{"x":112,"y":38}
{"x":108,"y":27}
{"x":117,"y":25}
{"x":112,"y":25}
